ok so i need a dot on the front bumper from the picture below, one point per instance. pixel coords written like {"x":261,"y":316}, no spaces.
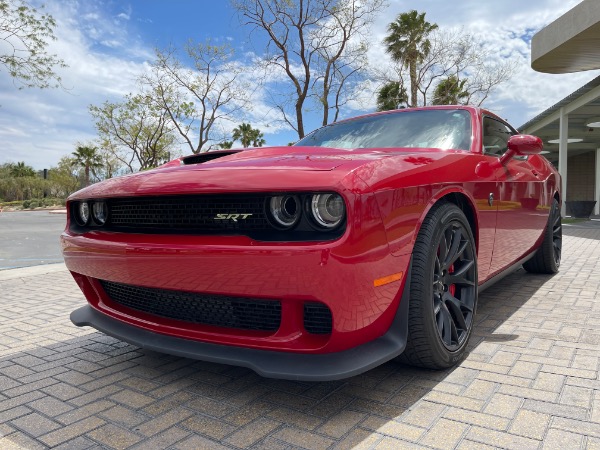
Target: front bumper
{"x":271,"y":364}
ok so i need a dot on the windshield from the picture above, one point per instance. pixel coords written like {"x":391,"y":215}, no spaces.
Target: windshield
{"x":440,"y":128}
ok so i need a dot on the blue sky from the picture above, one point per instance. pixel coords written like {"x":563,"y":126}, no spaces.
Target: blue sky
{"x":107,"y":44}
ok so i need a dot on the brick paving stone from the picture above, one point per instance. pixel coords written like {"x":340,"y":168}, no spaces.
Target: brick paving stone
{"x":295,"y":418}
{"x":35,"y":424}
{"x":530,"y":424}
{"x":359,"y":439}
{"x":114,"y":437}
{"x":560,"y":440}
{"x":123,"y":416}
{"x":445,"y":434}
{"x":303,"y":439}
{"x":252,"y":433}
{"x":530,"y":380}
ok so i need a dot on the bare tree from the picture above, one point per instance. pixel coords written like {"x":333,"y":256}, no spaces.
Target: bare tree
{"x":314,"y":43}
{"x":196,"y":99}
{"x":137,"y":132}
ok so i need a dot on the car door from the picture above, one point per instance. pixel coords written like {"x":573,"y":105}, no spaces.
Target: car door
{"x":522,"y":205}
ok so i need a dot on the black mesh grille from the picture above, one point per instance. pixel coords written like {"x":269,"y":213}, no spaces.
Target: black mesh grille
{"x":317,"y":318}
{"x":201,"y":213}
{"x":206,"y":309}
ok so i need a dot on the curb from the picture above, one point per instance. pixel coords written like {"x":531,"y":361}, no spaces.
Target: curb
{"x":24,"y":272}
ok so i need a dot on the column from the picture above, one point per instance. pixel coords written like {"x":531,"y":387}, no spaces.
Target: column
{"x":597,"y":196}
{"x":562,"y":156}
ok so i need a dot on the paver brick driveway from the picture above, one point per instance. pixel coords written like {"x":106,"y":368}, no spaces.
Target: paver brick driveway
{"x":530,"y":379}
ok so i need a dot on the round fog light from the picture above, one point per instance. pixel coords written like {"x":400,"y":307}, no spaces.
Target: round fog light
{"x":100,"y":211}
{"x":328,"y":210}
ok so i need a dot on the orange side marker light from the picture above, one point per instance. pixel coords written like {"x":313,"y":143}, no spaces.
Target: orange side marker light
{"x":387,"y":280}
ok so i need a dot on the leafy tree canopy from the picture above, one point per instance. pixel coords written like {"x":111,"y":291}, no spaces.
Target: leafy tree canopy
{"x":25,"y":32}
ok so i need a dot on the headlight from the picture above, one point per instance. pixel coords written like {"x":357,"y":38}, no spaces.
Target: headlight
{"x":328,"y":210}
{"x":84,"y":213}
{"x":100,"y":211}
{"x":285,"y":210}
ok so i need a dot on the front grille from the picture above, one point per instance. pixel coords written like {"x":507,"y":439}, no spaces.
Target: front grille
{"x":205,"y":309}
{"x":317,"y":318}
{"x":185,"y":213}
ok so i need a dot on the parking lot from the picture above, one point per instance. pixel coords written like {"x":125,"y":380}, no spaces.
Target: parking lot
{"x":530,"y":379}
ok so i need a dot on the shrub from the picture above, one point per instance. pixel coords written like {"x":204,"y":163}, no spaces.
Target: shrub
{"x":26,"y":204}
{"x":33,"y":204}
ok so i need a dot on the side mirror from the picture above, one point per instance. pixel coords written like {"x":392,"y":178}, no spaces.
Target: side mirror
{"x":522,"y":145}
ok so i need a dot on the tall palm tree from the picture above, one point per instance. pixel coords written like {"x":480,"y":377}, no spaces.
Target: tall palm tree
{"x":408,"y":45}
{"x":248,"y":136}
{"x":450,"y":91}
{"x":19,"y":170}
{"x":391,"y":95}
{"x":88,"y":158}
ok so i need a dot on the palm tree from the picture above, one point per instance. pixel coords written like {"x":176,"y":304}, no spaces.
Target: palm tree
{"x":391,"y":95}
{"x":248,"y":136}
{"x":19,"y":170}
{"x":257,"y":139}
{"x":225,"y":145}
{"x":87,"y":157}
{"x":408,"y":45}
{"x":450,"y":91}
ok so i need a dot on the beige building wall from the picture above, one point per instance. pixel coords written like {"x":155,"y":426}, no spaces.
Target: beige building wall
{"x":581,"y":174}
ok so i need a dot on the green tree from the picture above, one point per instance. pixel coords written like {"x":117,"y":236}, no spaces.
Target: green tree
{"x":390,"y":96}
{"x":87,"y":158}
{"x":225,"y":145}
{"x":248,"y":136}
{"x":20,"y":170}
{"x":138,"y":131}
{"x":63,"y":179}
{"x":450,"y":91}
{"x":198,"y":98}
{"x":408,"y":45}
{"x":24,"y":36}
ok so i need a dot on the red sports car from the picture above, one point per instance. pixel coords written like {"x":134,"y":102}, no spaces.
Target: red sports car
{"x":367,"y":240}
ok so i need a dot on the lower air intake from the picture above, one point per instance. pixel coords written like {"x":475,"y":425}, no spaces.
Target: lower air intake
{"x":317,"y":318}
{"x":206,"y":309}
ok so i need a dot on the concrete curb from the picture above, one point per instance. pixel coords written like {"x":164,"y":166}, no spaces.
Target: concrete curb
{"x":24,"y":272}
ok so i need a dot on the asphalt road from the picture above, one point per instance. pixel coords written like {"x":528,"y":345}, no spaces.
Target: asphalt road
{"x":30,"y":238}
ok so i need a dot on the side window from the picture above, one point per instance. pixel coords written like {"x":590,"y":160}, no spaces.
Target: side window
{"x":495,"y":137}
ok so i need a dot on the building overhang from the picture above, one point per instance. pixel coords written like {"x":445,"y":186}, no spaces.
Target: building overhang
{"x":571,"y":43}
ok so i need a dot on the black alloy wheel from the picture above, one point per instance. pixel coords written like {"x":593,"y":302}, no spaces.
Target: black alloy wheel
{"x":443,"y":289}
{"x":454,"y":286}
{"x":547,"y":257}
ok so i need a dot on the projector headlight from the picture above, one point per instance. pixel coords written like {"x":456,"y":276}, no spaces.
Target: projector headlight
{"x":100,"y":212}
{"x":327,"y":210}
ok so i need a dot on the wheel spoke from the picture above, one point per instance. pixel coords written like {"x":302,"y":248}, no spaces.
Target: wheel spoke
{"x":457,"y":307}
{"x":443,"y":249}
{"x":459,"y":276}
{"x":446,"y":330}
{"x":457,"y":248}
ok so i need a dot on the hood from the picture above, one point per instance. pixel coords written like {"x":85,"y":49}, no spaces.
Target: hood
{"x":271,"y":158}
{"x":289,"y":168}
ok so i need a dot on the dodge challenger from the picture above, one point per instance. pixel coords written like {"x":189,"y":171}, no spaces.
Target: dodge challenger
{"x":367,"y":240}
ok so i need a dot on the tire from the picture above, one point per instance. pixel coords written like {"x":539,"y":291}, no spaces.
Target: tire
{"x":443,"y":290}
{"x":547,"y":257}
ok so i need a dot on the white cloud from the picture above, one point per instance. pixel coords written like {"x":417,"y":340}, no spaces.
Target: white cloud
{"x":41,"y":126}
{"x":506,"y":28}
{"x":105,"y":56}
